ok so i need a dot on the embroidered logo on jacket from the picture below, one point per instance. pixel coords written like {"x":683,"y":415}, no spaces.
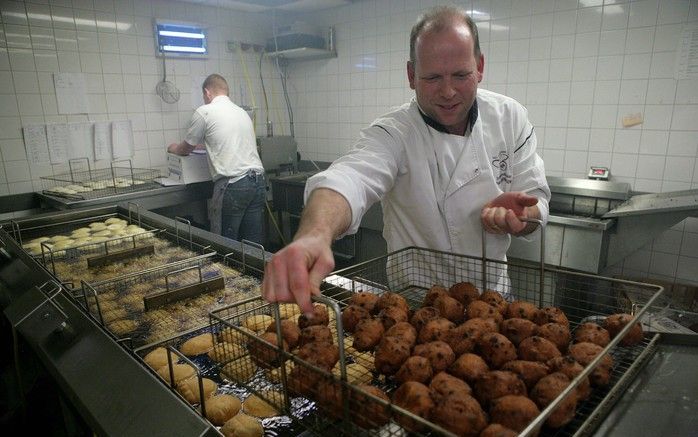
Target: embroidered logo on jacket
{"x":501,"y":163}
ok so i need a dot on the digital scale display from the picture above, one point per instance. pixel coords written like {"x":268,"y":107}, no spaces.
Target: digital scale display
{"x":599,"y":173}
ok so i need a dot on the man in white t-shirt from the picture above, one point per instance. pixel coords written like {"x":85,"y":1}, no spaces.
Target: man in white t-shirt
{"x":239,"y":192}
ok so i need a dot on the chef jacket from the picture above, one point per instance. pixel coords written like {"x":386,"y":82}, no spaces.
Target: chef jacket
{"x":433,"y":185}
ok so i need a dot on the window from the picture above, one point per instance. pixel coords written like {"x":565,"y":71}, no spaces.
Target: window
{"x":180,"y":39}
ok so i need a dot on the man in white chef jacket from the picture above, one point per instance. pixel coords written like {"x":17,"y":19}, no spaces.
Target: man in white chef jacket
{"x":239,"y":190}
{"x":444,"y":166}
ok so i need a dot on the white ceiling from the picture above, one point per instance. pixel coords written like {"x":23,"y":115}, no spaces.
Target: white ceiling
{"x":267,"y":5}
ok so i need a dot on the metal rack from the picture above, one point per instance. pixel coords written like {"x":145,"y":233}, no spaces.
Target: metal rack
{"x":153,"y":304}
{"x":97,"y":183}
{"x":411,"y":272}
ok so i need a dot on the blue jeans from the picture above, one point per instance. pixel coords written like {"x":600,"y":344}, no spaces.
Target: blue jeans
{"x":243,"y":209}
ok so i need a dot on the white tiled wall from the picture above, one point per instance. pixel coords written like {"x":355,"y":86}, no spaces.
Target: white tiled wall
{"x":111,"y":42}
{"x":579,"y":67}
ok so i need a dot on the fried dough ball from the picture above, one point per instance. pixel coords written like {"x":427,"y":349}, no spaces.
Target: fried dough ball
{"x":517,"y":329}
{"x":315,"y":334}
{"x":392,"y":315}
{"x":496,"y":349}
{"x":460,"y":414}
{"x":369,"y":413}
{"x":443,"y":385}
{"x":522,"y":310}
{"x":439,"y":354}
{"x":546,"y":390}
{"x":497,"y":430}
{"x":584,"y":353}
{"x":449,"y":308}
{"x":483,"y":310}
{"x":390,"y":299}
{"x":367,"y":334}
{"x":304,"y":381}
{"x":462,"y":340}
{"x":551,"y":315}
{"x":197,"y":345}
{"x":242,"y":425}
{"x":403,"y":330}
{"x":320,"y":317}
{"x":264,"y":355}
{"x":464,"y":292}
{"x":422,"y":316}
{"x":615,"y":323}
{"x":469,"y":367}
{"x":414,"y":397}
{"x":497,"y":383}
{"x":433,"y":293}
{"x":352,"y":315}
{"x":558,"y":334}
{"x":356,"y":373}
{"x":391,"y":352}
{"x":495,"y":299}
{"x":364,"y":299}
{"x":530,"y":372}
{"x":329,"y":397}
{"x":415,"y":368}
{"x":538,"y":349}
{"x":592,"y":333}
{"x":571,"y":368}
{"x":290,"y":332}
{"x":321,"y":354}
{"x":481,"y":325}
{"x":437,"y":329}
{"x":514,"y":411}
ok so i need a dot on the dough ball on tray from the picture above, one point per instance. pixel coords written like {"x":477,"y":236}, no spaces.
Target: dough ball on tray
{"x":616,"y":322}
{"x":221,"y":408}
{"x":513,"y":411}
{"x":464,"y":292}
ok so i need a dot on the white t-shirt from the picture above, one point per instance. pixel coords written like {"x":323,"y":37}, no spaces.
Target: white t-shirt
{"x":227,"y":132}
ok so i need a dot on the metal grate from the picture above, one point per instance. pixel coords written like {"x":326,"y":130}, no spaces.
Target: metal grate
{"x":97,"y":183}
{"x":411,"y":272}
{"x":119,"y":303}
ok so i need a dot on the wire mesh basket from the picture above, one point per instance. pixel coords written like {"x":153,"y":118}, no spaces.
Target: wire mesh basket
{"x":335,"y":401}
{"x":93,"y":258}
{"x":159,"y":302}
{"x":97,"y":183}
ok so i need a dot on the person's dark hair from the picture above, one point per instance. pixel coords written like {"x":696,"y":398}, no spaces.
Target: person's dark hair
{"x":438,"y":18}
{"x":216,"y":83}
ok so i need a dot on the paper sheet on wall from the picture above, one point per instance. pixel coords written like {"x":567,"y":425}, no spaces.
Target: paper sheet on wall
{"x":57,"y":135}
{"x":122,"y":139}
{"x":35,"y":144}
{"x":687,"y":56}
{"x":197,"y":97}
{"x":103,"y":141}
{"x":80,"y":142}
{"x":71,"y":93}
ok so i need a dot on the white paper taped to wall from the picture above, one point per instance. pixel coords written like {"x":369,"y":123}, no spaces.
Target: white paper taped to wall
{"x":35,"y":144}
{"x":71,"y":93}
{"x":687,"y":55}
{"x":122,"y":139}
{"x":80,"y":144}
{"x":57,"y":135}
{"x":103,"y":149}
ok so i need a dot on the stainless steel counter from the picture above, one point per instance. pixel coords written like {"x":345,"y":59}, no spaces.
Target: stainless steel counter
{"x":662,"y":400}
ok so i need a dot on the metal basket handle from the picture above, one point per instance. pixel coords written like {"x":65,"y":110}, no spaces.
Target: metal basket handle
{"x":138,"y":212}
{"x":186,"y":269}
{"x":541,"y":226}
{"x":113,"y":171}
{"x":76,"y":160}
{"x":249,"y":243}
{"x":182,"y":220}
